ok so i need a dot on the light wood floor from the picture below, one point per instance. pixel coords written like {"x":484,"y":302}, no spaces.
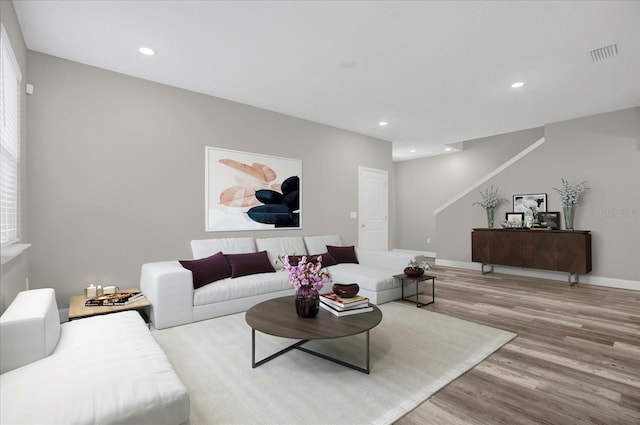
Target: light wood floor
{"x":576,"y":359}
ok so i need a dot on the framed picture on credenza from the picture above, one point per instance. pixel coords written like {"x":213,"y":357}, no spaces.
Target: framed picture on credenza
{"x":549,"y":219}
{"x":515,"y":220}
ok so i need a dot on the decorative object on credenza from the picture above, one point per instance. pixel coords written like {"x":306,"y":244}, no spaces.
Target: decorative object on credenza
{"x":345,"y":290}
{"x":413,"y":269}
{"x":531,"y":205}
{"x":489,"y":202}
{"x":515,"y":220}
{"x":569,"y":195}
{"x":569,"y":211}
{"x":308,"y":278}
{"x":549,"y":220}
{"x":490,"y":216}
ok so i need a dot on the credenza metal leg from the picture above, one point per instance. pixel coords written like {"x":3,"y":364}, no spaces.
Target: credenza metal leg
{"x":489,"y":270}
{"x":573,"y":278}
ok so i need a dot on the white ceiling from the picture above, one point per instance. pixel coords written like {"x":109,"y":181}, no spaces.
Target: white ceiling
{"x":438,"y":72}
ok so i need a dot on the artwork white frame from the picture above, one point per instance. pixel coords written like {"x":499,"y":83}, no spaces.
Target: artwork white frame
{"x":231,"y":180}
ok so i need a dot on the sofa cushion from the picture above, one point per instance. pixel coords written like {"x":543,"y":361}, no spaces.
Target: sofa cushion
{"x":279,"y":247}
{"x":251,"y":263}
{"x":343,"y":254}
{"x":243,"y":287}
{"x":207,"y":270}
{"x":202,"y":248}
{"x":29,"y":328}
{"x":367,"y":277}
{"x":318,"y":244}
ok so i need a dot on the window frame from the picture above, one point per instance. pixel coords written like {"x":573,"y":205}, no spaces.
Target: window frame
{"x":10,"y":149}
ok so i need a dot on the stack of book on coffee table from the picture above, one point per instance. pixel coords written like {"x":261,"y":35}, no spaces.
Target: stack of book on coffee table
{"x":341,"y":306}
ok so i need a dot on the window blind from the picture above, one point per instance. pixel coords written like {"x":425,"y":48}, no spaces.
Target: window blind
{"x":10,"y":78}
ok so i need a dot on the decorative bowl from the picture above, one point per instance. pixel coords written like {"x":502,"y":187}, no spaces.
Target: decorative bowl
{"x":346,"y":290}
{"x":413,"y":272}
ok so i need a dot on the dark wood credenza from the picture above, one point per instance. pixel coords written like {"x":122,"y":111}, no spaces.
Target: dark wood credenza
{"x":557,"y":250}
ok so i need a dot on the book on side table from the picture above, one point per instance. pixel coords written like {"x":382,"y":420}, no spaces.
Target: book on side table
{"x":119,"y":298}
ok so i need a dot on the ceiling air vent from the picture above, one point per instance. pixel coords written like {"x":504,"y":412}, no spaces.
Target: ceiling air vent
{"x":602,"y":53}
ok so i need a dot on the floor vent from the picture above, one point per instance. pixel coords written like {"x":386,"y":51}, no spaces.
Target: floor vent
{"x":602,"y":53}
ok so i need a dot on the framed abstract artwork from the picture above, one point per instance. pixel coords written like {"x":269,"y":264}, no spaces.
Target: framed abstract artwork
{"x":249,"y":191}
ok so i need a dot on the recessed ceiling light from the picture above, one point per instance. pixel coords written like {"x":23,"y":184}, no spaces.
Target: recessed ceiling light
{"x":412,"y":150}
{"x":382,"y":123}
{"x":447,"y":149}
{"x":147,"y":51}
{"x":517,"y":85}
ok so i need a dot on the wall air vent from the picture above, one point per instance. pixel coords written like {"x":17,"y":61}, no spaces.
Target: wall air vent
{"x":602,"y":53}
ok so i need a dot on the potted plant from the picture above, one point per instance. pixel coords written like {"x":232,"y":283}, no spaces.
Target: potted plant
{"x":569,"y":195}
{"x":413,"y":269}
{"x":308,"y":278}
{"x":489,"y":202}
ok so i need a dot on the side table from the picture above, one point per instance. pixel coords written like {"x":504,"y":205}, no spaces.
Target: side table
{"x":403,"y":277}
{"x":77,"y":309}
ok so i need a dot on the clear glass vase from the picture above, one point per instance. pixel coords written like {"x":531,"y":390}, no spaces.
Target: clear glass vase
{"x":307,"y":302}
{"x":569,"y":211}
{"x":490,"y":215}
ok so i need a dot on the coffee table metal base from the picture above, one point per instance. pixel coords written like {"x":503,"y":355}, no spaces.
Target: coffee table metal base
{"x":298,"y":346}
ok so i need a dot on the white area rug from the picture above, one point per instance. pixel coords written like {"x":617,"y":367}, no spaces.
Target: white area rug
{"x":414,"y":353}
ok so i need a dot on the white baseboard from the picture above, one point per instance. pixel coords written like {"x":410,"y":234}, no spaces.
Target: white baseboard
{"x":429,"y":254}
{"x":610,"y":282}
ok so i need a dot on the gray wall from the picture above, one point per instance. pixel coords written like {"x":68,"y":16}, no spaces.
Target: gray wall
{"x":14,"y":273}
{"x":116,"y":171}
{"x":423,"y":185}
{"x":602,"y":149}
{"x":113,"y":176}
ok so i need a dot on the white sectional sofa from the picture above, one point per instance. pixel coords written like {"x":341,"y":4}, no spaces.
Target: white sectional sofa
{"x":100,"y":370}
{"x":170,"y":287}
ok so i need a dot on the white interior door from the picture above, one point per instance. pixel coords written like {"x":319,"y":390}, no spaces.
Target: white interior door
{"x":373,"y":206}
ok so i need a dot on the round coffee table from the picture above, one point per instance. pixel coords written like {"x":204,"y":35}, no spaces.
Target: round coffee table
{"x":278,"y":317}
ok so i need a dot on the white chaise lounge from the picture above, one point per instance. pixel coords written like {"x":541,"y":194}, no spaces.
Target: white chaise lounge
{"x":100,"y":370}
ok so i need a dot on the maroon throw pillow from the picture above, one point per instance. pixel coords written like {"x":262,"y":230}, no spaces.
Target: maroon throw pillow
{"x":294,"y":259}
{"x":327,"y":259}
{"x":343,"y":254}
{"x":252,"y":263}
{"x":207,"y":270}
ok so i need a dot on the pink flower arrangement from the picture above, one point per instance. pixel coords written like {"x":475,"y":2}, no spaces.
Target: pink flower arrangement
{"x":307,"y":274}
